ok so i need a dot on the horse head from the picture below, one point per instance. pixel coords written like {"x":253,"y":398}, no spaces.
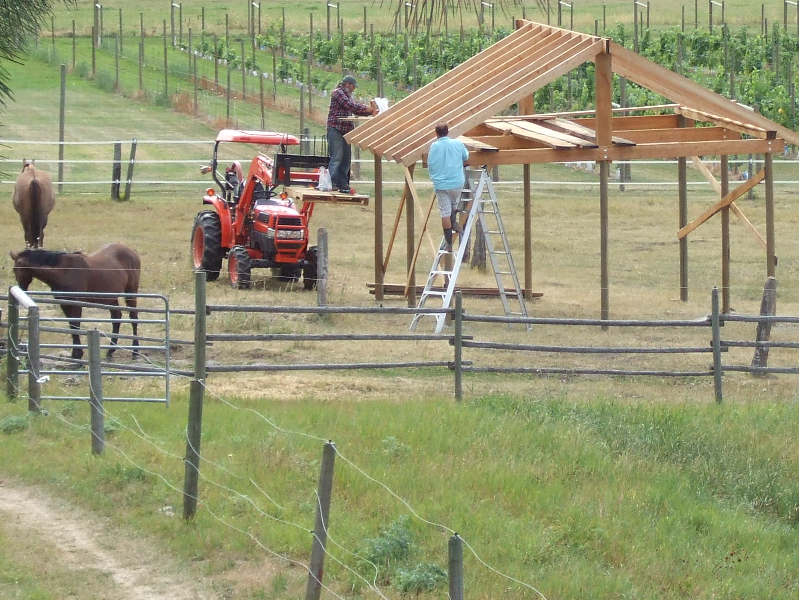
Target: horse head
{"x":28,"y":163}
{"x":22,"y":268}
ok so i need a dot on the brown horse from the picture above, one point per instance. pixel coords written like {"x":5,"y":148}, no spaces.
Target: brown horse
{"x":33,"y":200}
{"x":114,"y":268}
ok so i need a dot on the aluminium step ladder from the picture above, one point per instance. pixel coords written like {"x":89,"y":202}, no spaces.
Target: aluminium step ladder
{"x":483,"y":208}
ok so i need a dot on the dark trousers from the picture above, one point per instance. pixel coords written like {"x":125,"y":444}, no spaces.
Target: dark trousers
{"x":339,"y":153}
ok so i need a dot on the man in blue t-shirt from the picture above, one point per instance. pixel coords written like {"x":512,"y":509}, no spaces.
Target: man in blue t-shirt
{"x":446,"y":161}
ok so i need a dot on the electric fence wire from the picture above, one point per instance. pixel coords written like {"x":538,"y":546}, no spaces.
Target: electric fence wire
{"x":214,"y":515}
{"x":246,"y":498}
{"x":355,"y":467}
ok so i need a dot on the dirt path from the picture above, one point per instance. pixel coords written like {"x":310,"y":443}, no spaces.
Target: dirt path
{"x":138,"y":571}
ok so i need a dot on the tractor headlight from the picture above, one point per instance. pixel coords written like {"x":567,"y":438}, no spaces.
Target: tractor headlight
{"x":290,"y":234}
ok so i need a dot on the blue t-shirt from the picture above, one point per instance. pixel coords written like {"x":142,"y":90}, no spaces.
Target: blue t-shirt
{"x":446,"y":163}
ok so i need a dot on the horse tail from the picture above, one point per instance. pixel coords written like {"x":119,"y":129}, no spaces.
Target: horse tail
{"x":36,"y":212}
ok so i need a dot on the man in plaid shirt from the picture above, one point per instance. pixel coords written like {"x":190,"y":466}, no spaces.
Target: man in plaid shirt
{"x":342,"y":105}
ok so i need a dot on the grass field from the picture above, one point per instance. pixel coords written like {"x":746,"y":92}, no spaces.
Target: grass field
{"x":579,"y":487}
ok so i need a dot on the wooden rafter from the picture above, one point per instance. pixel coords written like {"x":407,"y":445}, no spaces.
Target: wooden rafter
{"x":686,"y":92}
{"x":724,"y":202}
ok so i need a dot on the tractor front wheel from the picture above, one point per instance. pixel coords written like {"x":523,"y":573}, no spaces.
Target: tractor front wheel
{"x":239,"y":267}
{"x":310,"y":270}
{"x":206,"y":244}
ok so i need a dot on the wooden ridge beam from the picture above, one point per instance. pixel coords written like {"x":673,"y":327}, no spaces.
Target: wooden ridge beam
{"x":726,"y":201}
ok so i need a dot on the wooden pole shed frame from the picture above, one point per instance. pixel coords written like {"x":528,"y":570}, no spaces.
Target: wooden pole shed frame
{"x":470,"y":97}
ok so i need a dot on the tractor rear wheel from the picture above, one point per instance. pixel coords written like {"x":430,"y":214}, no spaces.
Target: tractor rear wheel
{"x":239,"y":267}
{"x":206,"y":242}
{"x":310,"y":270}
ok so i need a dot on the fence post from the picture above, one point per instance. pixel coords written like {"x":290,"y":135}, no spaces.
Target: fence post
{"x":94,"y":52}
{"x":196,"y":390}
{"x":457,"y":324}
{"x":34,"y":387}
{"x":12,"y":354}
{"x":316,"y":564}
{"x":116,"y":171}
{"x":166,"y":63}
{"x":455,"y":567}
{"x":129,"y":176}
{"x":96,"y":393}
{"x":715,"y":344}
{"x":61,"y":111}
{"x":322,"y":267}
{"x":763,"y":329}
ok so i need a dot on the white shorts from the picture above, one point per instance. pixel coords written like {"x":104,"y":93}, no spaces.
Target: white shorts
{"x":448,"y":201}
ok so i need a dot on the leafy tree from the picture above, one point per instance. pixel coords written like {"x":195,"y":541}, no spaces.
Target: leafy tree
{"x":20,"y":20}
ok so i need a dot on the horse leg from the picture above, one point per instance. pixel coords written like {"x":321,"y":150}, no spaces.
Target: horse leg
{"x":74,"y":312}
{"x":115,"y":314}
{"x":134,"y":315}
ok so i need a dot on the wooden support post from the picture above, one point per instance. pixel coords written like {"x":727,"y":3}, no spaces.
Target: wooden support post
{"x":194,"y":426}
{"x":378,"y":202}
{"x":764,"y":329}
{"x":526,"y":203}
{"x":96,"y":393}
{"x":716,"y":345}
{"x":769,"y":201}
{"x":34,"y":364}
{"x":166,"y":63}
{"x":324,"y":489}
{"x":603,"y":76}
{"x":725,"y":221}
{"x":116,"y":171}
{"x":455,"y":568}
{"x":12,"y":349}
{"x":683,"y":219}
{"x":457,"y":347}
{"x":322,"y":267}
{"x":61,"y":112}
{"x":410,"y":237}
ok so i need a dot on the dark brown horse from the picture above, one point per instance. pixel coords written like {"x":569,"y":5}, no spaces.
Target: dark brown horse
{"x":113,"y":269}
{"x":33,"y":200}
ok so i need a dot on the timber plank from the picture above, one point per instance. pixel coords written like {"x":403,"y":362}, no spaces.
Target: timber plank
{"x":680,"y":134}
{"x":738,"y":126}
{"x":424,"y":117}
{"x":507,"y":91}
{"x":543,"y":130}
{"x":547,"y":140}
{"x":582,"y":131}
{"x":310,"y":194}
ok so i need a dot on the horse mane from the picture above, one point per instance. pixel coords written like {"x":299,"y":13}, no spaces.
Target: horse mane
{"x":43,"y":258}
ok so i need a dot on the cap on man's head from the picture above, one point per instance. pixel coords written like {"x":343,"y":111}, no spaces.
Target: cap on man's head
{"x":349,"y":79}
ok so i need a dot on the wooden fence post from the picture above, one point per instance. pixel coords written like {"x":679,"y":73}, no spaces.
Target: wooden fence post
{"x":194,"y":425}
{"x":261,"y":96}
{"x":96,"y":393}
{"x":457,"y":333}
{"x":34,"y":387}
{"x":74,"y":50}
{"x":244,"y":73}
{"x":12,"y":349}
{"x":116,"y":171}
{"x":715,"y":344}
{"x":316,"y":564}
{"x":94,"y":52}
{"x":455,"y":568}
{"x":61,"y":112}
{"x":129,"y":176}
{"x":166,"y":63}
{"x":116,"y":63}
{"x":764,"y":329}
{"x":322,"y":267}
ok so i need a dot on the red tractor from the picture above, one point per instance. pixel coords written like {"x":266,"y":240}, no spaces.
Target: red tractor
{"x":250,"y":222}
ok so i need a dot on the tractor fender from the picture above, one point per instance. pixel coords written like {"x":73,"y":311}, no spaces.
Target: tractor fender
{"x":224,"y":215}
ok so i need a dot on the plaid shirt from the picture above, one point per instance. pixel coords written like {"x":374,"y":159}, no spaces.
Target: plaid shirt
{"x":342,"y":105}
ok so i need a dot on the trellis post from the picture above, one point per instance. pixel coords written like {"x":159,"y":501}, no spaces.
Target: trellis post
{"x":457,"y":345}
{"x":96,"y":393}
